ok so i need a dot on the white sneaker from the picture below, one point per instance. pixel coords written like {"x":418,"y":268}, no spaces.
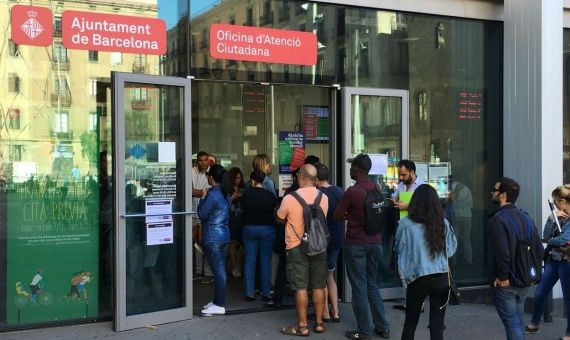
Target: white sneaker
{"x":214,"y":310}
{"x":208,"y":305}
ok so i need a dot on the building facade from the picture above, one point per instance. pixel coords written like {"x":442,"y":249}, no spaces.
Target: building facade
{"x":469,"y":90}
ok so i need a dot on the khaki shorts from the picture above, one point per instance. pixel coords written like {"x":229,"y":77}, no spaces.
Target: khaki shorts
{"x":304,"y":272}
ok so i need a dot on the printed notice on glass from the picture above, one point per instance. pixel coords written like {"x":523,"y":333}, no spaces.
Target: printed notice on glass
{"x":159,"y":233}
{"x":438,"y":170}
{"x":379,"y":164}
{"x":159,"y":210}
{"x":167,"y":152}
{"x":422,"y":171}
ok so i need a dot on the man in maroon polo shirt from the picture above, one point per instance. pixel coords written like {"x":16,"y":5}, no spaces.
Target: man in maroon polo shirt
{"x":362,"y":254}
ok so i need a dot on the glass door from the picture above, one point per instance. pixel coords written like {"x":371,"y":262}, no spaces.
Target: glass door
{"x":153,"y":203}
{"x":376,"y":123}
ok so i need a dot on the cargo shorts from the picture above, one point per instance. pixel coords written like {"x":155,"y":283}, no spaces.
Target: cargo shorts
{"x":304,"y":271}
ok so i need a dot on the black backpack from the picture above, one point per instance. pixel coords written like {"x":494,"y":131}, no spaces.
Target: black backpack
{"x":376,"y":211}
{"x":528,"y":267}
{"x":315,"y":239}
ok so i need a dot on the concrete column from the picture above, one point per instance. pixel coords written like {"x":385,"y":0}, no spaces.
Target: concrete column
{"x":533,"y":100}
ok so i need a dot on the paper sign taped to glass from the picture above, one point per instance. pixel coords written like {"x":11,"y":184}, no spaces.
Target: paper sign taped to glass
{"x":159,"y":233}
{"x":379,"y":164}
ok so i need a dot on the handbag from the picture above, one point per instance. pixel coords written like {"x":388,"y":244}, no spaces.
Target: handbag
{"x":453,"y":294}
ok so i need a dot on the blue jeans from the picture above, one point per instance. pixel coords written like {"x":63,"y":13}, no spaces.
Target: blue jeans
{"x":216,"y":257}
{"x":553,"y":271}
{"x":362,"y":262}
{"x":258,"y":239}
{"x":509,"y":303}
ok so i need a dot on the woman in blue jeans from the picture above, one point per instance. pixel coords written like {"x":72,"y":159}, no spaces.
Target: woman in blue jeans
{"x":557,"y":262}
{"x":258,"y":205}
{"x":213,"y":211}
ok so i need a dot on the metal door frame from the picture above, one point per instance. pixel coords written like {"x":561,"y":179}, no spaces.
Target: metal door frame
{"x":123,"y":322}
{"x":346,"y":149}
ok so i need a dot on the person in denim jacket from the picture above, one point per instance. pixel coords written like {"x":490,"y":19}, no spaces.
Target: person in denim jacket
{"x":213,"y":211}
{"x":557,"y":265}
{"x":424,"y":241}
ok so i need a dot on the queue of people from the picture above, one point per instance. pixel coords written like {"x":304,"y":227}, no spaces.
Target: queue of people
{"x":424,"y":243}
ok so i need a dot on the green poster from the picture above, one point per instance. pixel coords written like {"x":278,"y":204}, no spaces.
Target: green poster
{"x":285,"y":152}
{"x":405,"y":197}
{"x":53,"y":251}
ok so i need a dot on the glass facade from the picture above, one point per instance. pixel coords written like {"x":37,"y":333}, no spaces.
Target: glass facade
{"x":451,"y":67}
{"x":55,"y":127}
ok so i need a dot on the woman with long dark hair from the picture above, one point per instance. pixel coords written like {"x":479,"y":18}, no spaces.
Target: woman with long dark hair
{"x":424,"y":242}
{"x":213,"y":211}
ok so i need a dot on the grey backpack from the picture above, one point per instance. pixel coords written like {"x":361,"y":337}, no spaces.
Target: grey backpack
{"x":316,"y":236}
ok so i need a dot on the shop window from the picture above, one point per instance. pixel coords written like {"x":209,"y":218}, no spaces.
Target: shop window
{"x":61,"y":122}
{"x":13,"y":83}
{"x":13,"y":49}
{"x":93,"y":121}
{"x":93,"y":56}
{"x":13,"y":119}
{"x":57,"y":27}
{"x":116,"y":58}
{"x":15,"y":153}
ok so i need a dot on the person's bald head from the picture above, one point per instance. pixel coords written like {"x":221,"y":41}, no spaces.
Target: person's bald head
{"x":307,"y":175}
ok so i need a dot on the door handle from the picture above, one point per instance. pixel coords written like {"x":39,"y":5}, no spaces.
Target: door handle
{"x":150,"y":215}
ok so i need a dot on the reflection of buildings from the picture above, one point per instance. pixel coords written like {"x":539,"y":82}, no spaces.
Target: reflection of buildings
{"x":51,"y":100}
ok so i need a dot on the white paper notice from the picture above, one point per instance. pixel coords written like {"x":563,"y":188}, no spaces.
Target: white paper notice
{"x":159,"y":233}
{"x":422,"y":171}
{"x":438,"y":170}
{"x":285,"y":181}
{"x":379,"y":164}
{"x":161,"y":209}
{"x":167,"y":152}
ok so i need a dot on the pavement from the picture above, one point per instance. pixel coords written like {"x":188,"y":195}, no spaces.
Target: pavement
{"x":466,"y":321}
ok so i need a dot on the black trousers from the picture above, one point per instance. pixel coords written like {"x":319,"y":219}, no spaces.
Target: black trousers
{"x":436,"y":286}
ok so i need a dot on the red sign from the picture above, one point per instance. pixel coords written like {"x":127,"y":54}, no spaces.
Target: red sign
{"x":470,"y":104}
{"x":310,"y":125}
{"x":263,"y":44}
{"x":113,"y":33}
{"x":298,"y":159}
{"x":31,"y":25}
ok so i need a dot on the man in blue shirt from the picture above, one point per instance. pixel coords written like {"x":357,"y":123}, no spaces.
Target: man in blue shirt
{"x":409,"y":181}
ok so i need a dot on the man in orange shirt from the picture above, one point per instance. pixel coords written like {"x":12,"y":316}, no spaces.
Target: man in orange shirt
{"x":303,"y":271}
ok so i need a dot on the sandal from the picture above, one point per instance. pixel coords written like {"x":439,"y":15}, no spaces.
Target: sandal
{"x":337,"y":319}
{"x":319,"y":327}
{"x":295,"y":330}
